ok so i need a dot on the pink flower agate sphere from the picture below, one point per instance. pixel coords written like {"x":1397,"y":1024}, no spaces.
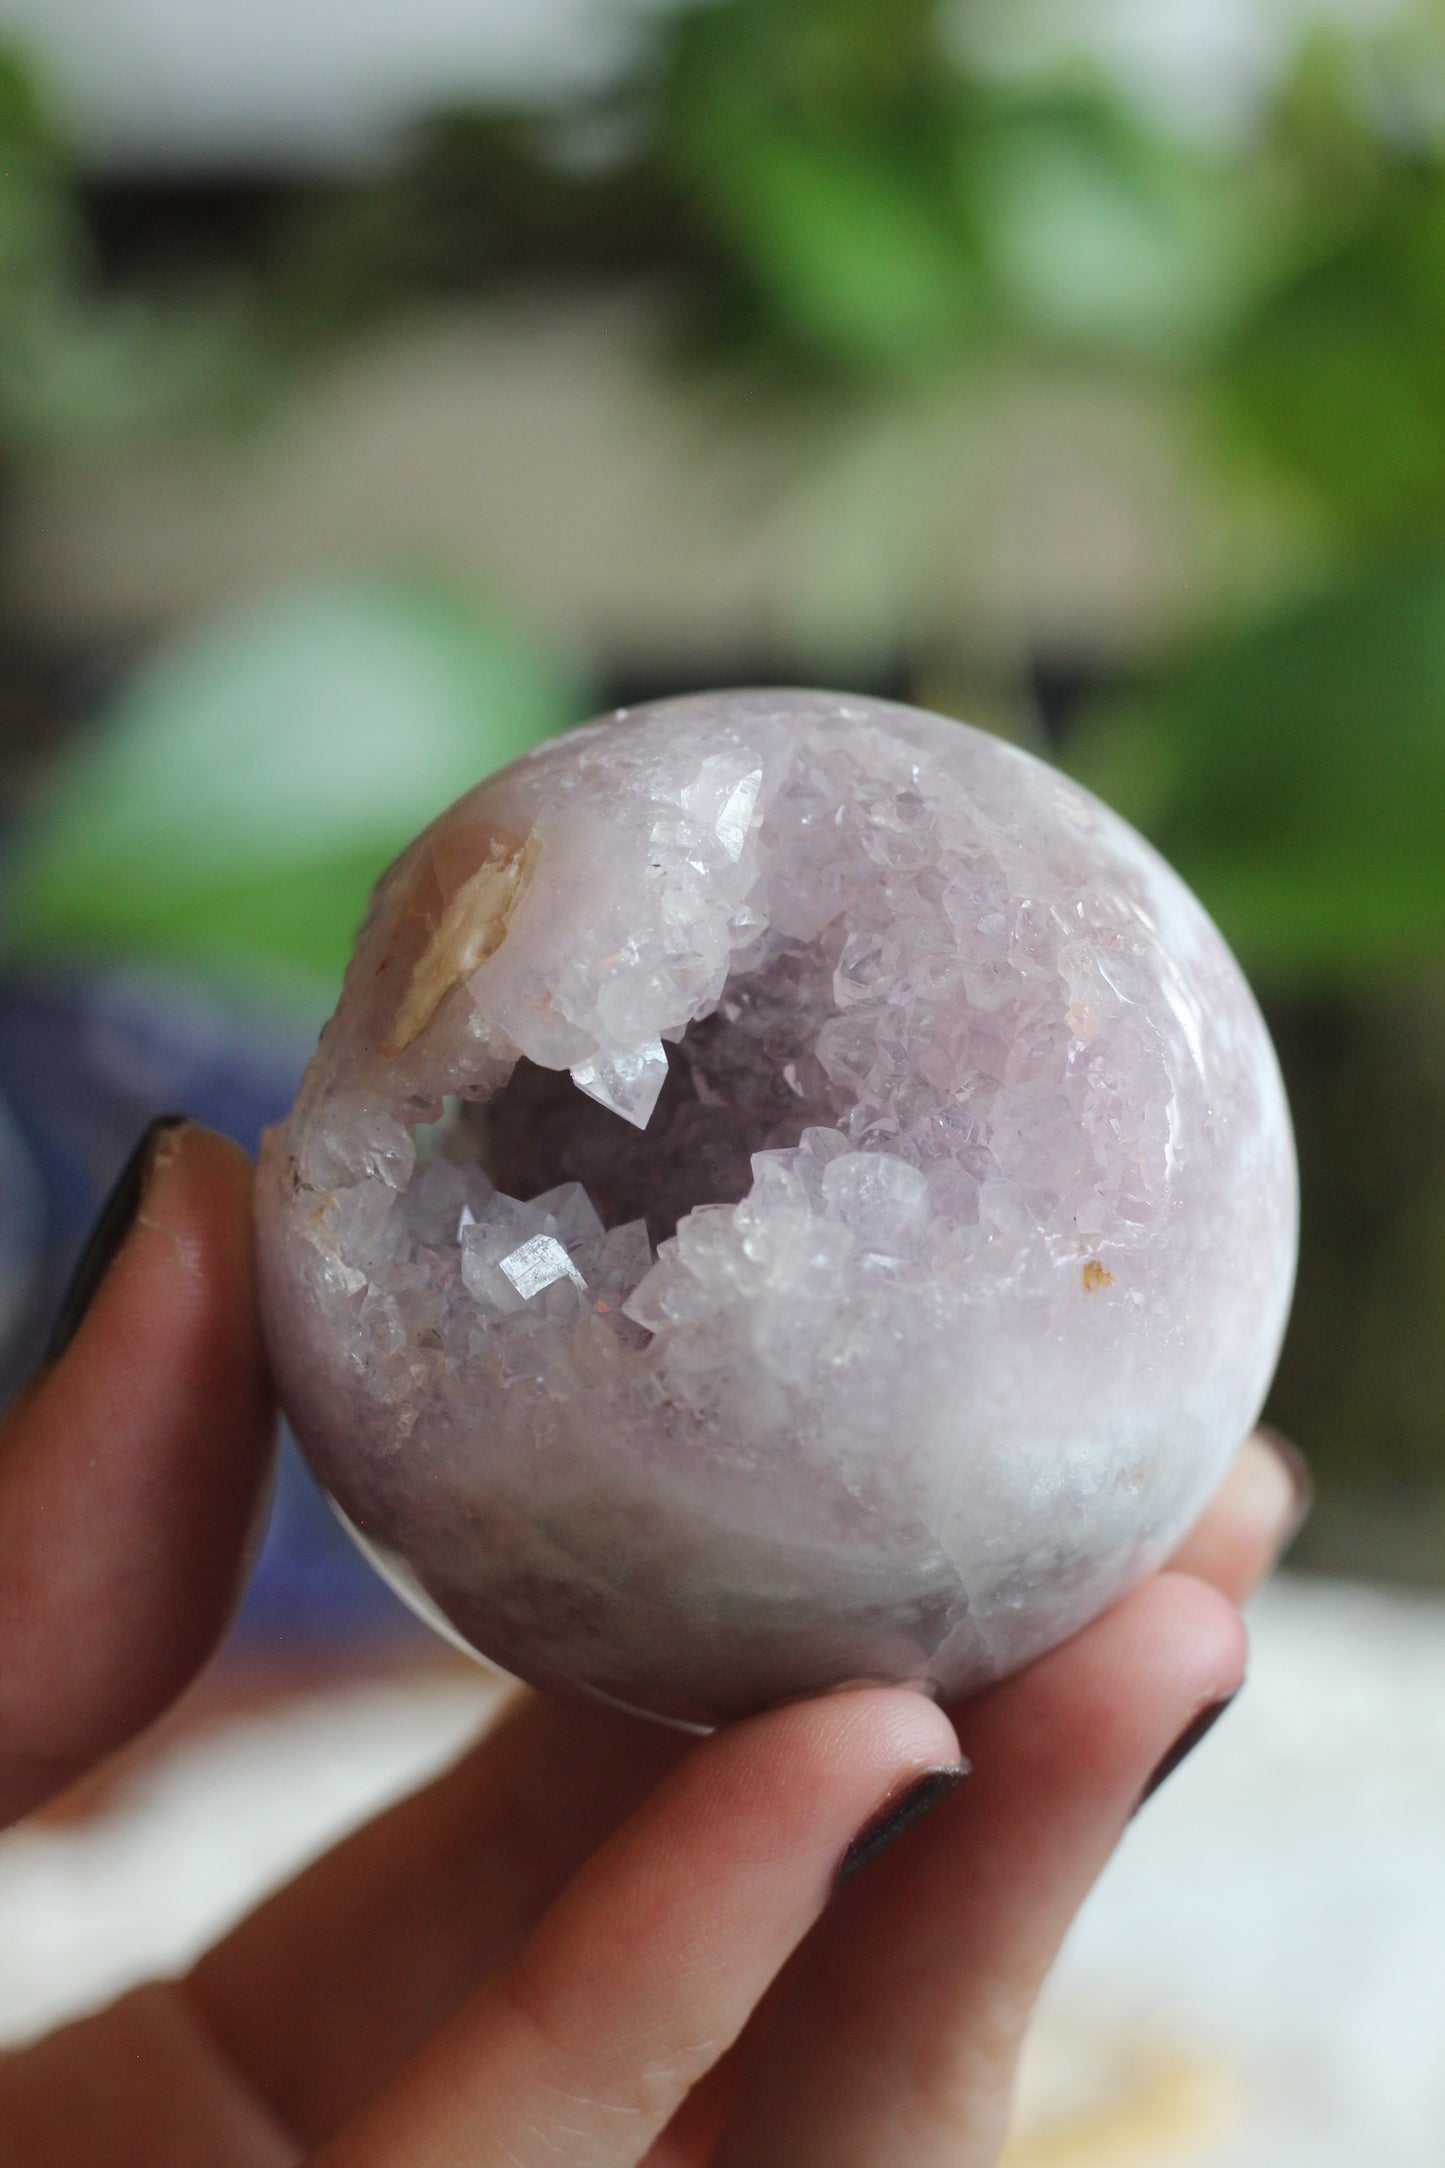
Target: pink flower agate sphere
{"x":794,"y":1191}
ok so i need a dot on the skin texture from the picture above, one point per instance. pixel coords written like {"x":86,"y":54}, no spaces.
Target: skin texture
{"x":591,"y":1941}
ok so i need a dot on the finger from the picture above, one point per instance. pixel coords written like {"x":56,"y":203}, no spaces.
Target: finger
{"x":134,"y":2086}
{"x":645,"y":1970}
{"x":324,"y":1993}
{"x":1254,"y":1516}
{"x":132,"y":1474}
{"x":894,"y":2036}
{"x":321,"y":1995}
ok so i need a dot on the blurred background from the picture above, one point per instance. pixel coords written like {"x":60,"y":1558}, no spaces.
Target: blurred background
{"x":383,"y":388}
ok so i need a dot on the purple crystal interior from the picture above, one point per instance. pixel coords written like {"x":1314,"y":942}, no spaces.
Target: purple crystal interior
{"x":794,"y":1191}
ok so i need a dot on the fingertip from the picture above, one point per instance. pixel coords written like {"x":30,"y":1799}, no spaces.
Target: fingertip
{"x":1297,"y":1471}
{"x":931,"y":1963}
{"x":1194,"y":1629}
{"x":212,"y":1170}
{"x":1191,"y":1604}
{"x":170,"y":1255}
{"x":108,"y":1236}
{"x":1175,"y":1639}
{"x":919,"y":1740}
{"x":195,"y":1224}
{"x":1087,"y":1722}
{"x":804,"y":1778}
{"x":1255,"y":1514}
{"x":901,"y":1727}
{"x":904,"y":1808}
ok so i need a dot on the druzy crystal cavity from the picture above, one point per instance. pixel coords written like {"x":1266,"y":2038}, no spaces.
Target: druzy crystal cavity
{"x":794,"y":1191}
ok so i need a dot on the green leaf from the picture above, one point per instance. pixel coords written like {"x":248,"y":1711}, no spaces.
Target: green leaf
{"x":853,"y":261}
{"x":1102,"y":236}
{"x":26,"y":121}
{"x":1340,"y":377}
{"x":813,"y":142}
{"x":240,"y":798}
{"x":1295,"y":775}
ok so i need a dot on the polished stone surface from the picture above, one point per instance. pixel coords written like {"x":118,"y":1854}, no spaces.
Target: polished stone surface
{"x":795,"y":1190}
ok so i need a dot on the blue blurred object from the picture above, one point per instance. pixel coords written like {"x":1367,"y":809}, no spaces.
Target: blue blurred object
{"x":87,"y":1059}
{"x":21,"y":1220}
{"x":180,"y":895}
{"x":85,"y":1062}
{"x":311,"y":1586}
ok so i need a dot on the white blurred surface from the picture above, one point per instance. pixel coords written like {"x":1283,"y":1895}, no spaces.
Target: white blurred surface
{"x":1284,"y":1896}
{"x":296,"y":84}
{"x":150,"y":84}
{"x":89,"y":1907}
{"x":1265,"y":1959}
{"x":1204,"y":66}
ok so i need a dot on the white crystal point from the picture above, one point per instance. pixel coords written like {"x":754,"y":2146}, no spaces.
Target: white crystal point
{"x":794,"y":1191}
{"x":882,"y":1201}
{"x":733,"y":822}
{"x":540,"y":1262}
{"x":629,"y":1084}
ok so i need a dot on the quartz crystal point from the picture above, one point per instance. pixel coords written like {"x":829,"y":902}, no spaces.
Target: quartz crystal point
{"x":794,"y":1191}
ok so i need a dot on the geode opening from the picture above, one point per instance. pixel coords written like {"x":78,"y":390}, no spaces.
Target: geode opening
{"x":745,"y":1079}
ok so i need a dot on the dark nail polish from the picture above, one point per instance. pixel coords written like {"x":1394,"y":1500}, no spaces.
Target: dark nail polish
{"x":1185,"y":1744}
{"x":1297,"y":1468}
{"x":898,"y":1815}
{"x":117,"y":1216}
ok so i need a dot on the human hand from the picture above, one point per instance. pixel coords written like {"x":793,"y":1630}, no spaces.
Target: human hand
{"x":592,"y":1941}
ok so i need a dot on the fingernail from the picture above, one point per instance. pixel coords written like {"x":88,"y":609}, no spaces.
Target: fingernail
{"x":1297,"y":1468}
{"x":897,"y":1815}
{"x":1185,"y":1744}
{"x":117,"y":1217}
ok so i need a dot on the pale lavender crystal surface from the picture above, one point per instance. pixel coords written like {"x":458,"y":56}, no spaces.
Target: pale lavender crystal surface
{"x":794,"y":1191}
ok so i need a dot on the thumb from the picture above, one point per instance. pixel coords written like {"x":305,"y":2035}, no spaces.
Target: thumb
{"x":133,"y":1469}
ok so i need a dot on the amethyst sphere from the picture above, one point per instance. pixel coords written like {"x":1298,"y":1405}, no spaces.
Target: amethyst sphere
{"x":794,"y":1191}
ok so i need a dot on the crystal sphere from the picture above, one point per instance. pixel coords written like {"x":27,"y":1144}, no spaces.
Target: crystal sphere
{"x":794,"y":1191}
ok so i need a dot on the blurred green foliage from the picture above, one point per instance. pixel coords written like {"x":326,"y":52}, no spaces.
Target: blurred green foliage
{"x":884,"y":211}
{"x":81,"y":367}
{"x":1294,"y":772}
{"x":233,"y":806}
{"x":842,"y":197}
{"x":1337,"y":375}
{"x":855,"y":207}
{"x":821,"y":151}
